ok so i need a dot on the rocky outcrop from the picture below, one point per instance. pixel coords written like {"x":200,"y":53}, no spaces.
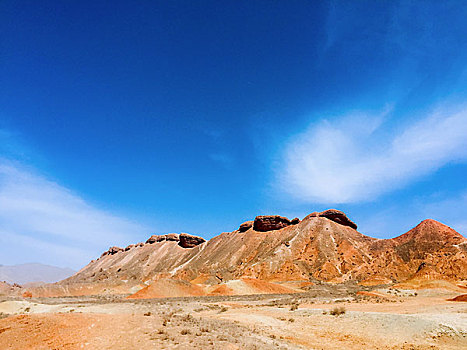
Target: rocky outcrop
{"x":336,"y":216}
{"x":189,"y":241}
{"x":174,"y":237}
{"x":155,"y":239}
{"x":112,"y":251}
{"x":245,"y":226}
{"x":266,"y":223}
{"x":295,"y":221}
{"x":115,"y":250}
{"x":184,"y":239}
{"x":129,"y":247}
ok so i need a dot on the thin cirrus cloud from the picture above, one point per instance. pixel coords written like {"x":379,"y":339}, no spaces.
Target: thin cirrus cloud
{"x":46,"y":222}
{"x":356,"y":159}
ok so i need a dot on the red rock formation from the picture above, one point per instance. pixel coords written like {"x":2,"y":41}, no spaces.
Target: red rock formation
{"x":245,"y":226}
{"x":155,"y":239}
{"x":27,"y":294}
{"x":462,"y":297}
{"x":266,"y":223}
{"x":185,"y":240}
{"x":112,"y":251}
{"x":336,"y":216}
{"x":189,"y":241}
{"x":172,"y":237}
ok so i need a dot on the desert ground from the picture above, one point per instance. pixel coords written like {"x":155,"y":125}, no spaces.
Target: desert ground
{"x":326,"y":317}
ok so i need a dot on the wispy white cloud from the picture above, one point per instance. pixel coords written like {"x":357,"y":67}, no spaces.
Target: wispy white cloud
{"x":41,"y":220}
{"x":356,"y":158}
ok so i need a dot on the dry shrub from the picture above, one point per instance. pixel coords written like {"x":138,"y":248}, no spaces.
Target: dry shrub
{"x":294,"y":307}
{"x":337,"y":311}
{"x":187,"y":318}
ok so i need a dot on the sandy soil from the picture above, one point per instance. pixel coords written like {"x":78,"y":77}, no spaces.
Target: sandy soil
{"x":389,"y":319}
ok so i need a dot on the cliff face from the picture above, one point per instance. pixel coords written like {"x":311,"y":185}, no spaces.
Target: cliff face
{"x":324,"y":246}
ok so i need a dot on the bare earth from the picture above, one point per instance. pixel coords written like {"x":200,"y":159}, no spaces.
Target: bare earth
{"x":385,"y":318}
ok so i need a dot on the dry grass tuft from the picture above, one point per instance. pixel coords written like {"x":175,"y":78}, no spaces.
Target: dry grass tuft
{"x":337,"y":311}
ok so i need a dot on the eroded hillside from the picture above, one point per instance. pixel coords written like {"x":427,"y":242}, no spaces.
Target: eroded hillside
{"x":270,"y":254}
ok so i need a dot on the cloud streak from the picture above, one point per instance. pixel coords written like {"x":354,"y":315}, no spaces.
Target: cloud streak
{"x":41,"y":220}
{"x":356,"y":158}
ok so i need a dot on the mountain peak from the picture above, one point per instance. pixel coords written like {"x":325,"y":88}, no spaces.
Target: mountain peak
{"x":432,"y":230}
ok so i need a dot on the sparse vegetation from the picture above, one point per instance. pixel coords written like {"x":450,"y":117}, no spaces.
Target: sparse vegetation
{"x":197,"y":323}
{"x":337,"y":311}
{"x":187,"y":318}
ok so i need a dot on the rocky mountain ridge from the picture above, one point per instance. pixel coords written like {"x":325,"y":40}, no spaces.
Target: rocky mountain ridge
{"x":270,"y":253}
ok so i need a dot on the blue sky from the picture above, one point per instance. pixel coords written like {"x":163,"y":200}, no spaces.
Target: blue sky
{"x":121,"y":119}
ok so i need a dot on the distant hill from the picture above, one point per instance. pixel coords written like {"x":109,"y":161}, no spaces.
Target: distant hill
{"x":33,"y":272}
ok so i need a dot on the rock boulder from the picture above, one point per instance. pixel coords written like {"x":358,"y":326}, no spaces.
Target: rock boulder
{"x":189,"y":241}
{"x":114,"y":250}
{"x":336,"y":216}
{"x":245,"y":226}
{"x":184,"y":239}
{"x":265,"y":223}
